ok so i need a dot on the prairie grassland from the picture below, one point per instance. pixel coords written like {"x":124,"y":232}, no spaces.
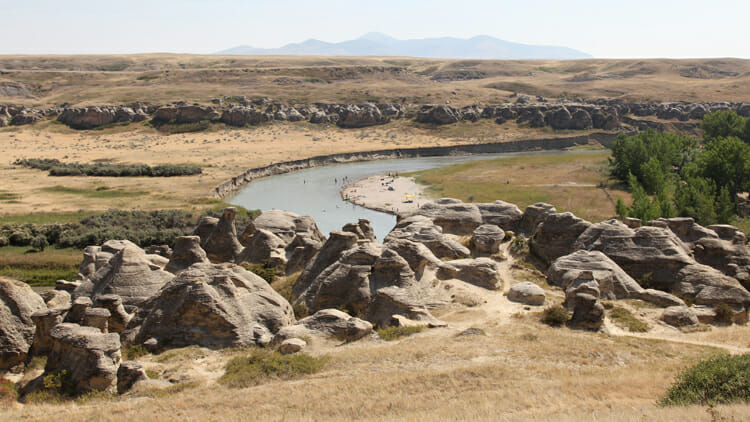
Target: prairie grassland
{"x":39,"y":268}
{"x":576,"y":182}
{"x":222,"y":152}
{"x":519,"y":370}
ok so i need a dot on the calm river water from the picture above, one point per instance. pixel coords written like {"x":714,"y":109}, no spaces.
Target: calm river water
{"x":315,"y":191}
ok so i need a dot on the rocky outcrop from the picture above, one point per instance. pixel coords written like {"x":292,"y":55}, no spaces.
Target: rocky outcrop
{"x":610,"y":279}
{"x":91,"y":357}
{"x":17,"y":305}
{"x":555,"y":236}
{"x":480,"y":272}
{"x":503,"y":214}
{"x":486,"y":239}
{"x":588,"y":313}
{"x":454,"y":216}
{"x":243,"y":116}
{"x":129,"y":274}
{"x":25,"y":118}
{"x":439,"y":114}
{"x":329,"y":324}
{"x":679,"y":316}
{"x":533,"y":215}
{"x":527,"y":293}
{"x":362,"y":115}
{"x":92,"y":117}
{"x":362,"y":229}
{"x":186,"y":114}
{"x":421,"y":229}
{"x":211,"y":305}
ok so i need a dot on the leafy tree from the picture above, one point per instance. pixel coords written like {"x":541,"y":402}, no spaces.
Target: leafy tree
{"x":642,"y":207}
{"x":621,"y":208}
{"x":722,"y":124}
{"x":694,"y":197}
{"x":725,"y":208}
{"x":40,"y":242}
{"x":726,"y":161}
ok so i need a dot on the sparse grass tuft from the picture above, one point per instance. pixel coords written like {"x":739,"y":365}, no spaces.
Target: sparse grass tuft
{"x":555,"y":316}
{"x":395,"y":333}
{"x":624,"y":318}
{"x":8,"y":391}
{"x":133,"y":352}
{"x":724,"y":314}
{"x":262,"y":364}
{"x":718,"y":380}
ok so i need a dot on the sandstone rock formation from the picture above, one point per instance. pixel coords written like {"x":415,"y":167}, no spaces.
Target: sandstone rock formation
{"x":330,"y":324}
{"x":527,"y":293}
{"x":211,"y":305}
{"x":221,"y":243}
{"x":17,"y":304}
{"x":555,"y":236}
{"x":486,"y":239}
{"x":187,"y":251}
{"x":91,"y":357}
{"x":421,"y":229}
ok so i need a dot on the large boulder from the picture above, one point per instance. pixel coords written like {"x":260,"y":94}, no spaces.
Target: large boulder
{"x":421,"y":229}
{"x":527,"y":293}
{"x":588,"y":313}
{"x":362,"y":228}
{"x":500,"y":213}
{"x":91,"y":357}
{"x":612,"y":281}
{"x":283,"y":224}
{"x":454,"y":216}
{"x":214,"y":306}
{"x":486,"y":239}
{"x":555,"y":236}
{"x":533,"y":215}
{"x":328,"y":324}
{"x":331,"y":252}
{"x":480,"y":272}
{"x":17,"y":304}
{"x":679,"y":316}
{"x":130,"y":274}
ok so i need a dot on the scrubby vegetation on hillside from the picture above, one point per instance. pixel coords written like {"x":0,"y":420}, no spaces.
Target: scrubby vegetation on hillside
{"x":58,"y":168}
{"x":671,"y":175}
{"x":718,"y":380}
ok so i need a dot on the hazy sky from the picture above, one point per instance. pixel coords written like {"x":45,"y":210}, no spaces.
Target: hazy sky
{"x":619,"y":29}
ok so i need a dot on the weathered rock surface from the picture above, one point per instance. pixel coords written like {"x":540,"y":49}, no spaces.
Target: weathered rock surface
{"x":610,"y":279}
{"x":480,"y":272}
{"x":527,"y":293}
{"x":421,"y":229}
{"x":555,"y":236}
{"x":292,"y":345}
{"x":454,"y":216}
{"x":588,"y":313}
{"x":330,"y":324}
{"x":533,"y":215}
{"x":679,"y":316}
{"x":187,"y":251}
{"x":362,"y":115}
{"x":362,"y":229}
{"x":211,"y":305}
{"x":500,"y":213}
{"x":91,"y":357}
{"x":17,"y":305}
{"x":221,"y":243}
{"x":486,"y":239}
{"x":439,"y":114}
{"x":130,"y":274}
{"x":128,"y":374}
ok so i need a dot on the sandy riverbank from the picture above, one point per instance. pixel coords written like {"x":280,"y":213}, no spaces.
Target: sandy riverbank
{"x":387,"y":194}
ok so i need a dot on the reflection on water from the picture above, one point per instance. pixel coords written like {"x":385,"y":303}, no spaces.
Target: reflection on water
{"x":315,"y":191}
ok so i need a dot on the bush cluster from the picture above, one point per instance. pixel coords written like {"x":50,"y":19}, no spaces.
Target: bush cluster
{"x":144,"y":228}
{"x":555,"y":316}
{"x":58,"y":168}
{"x":718,"y":380}
{"x":262,"y":364}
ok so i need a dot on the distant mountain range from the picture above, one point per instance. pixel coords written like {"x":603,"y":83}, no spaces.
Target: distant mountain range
{"x":377,"y":44}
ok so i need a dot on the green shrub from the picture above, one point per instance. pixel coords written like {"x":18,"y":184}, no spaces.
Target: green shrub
{"x":264,"y":270}
{"x":626,"y":319}
{"x":58,"y":168}
{"x":133,"y":352}
{"x":395,"y":333}
{"x":718,"y":380}
{"x":724,"y":314}
{"x":261,"y":364}
{"x":8,"y":391}
{"x":60,"y":382}
{"x":555,"y":315}
{"x":40,"y":242}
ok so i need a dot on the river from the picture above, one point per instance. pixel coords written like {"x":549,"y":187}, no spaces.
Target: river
{"x":315,"y":191}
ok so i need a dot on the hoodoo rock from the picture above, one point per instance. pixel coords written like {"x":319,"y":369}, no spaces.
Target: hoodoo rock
{"x":527,"y":293}
{"x":500,"y":213}
{"x":555,"y":236}
{"x":612,"y":281}
{"x":91,"y":357}
{"x":187,"y":251}
{"x":221,"y":243}
{"x":130,"y":274}
{"x":533,"y":215}
{"x":211,"y":305}
{"x":17,"y":304}
{"x":486,"y":239}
